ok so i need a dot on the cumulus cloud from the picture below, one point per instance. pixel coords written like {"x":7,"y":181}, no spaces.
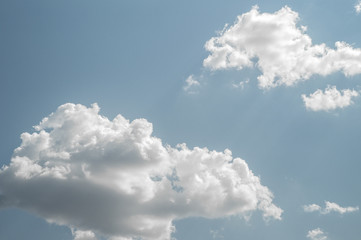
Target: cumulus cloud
{"x":112,"y":177}
{"x":358,"y":7}
{"x":329,"y":207}
{"x":330,"y":99}
{"x":279,"y":48}
{"x":191,"y":84}
{"x":316,"y":234}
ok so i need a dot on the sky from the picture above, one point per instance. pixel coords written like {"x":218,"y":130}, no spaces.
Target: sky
{"x":165,"y":119}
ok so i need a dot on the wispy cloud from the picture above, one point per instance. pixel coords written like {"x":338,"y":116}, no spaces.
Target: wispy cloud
{"x":329,"y":207}
{"x":217,"y":234}
{"x":329,"y":99}
{"x":240,"y":84}
{"x":281,"y":49}
{"x":112,"y":177}
{"x":191,"y":85}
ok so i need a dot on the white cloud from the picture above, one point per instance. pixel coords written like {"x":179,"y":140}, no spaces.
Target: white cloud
{"x":279,"y":48}
{"x":311,"y":208}
{"x":329,"y":207}
{"x":112,"y":177}
{"x":330,"y":99}
{"x":334,"y":207}
{"x":191,"y":84}
{"x":358,"y":7}
{"x":83,"y":235}
{"x":316,"y":234}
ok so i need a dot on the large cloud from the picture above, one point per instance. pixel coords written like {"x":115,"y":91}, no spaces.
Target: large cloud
{"x":281,"y":49}
{"x":95,"y":175}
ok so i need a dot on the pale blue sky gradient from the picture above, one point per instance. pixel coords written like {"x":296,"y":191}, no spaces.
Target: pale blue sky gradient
{"x":132,"y":58}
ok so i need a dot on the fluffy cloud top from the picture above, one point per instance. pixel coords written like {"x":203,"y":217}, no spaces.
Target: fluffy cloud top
{"x":281,"y":49}
{"x":330,"y":99}
{"x":316,"y":234}
{"x":329,"y":207}
{"x":112,"y":177}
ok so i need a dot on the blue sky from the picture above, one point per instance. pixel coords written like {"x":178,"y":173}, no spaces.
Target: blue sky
{"x":133,"y":58}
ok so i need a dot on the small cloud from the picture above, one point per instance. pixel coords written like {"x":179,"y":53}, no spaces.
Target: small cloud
{"x":316,"y":234}
{"x":83,"y":235}
{"x":330,"y":99}
{"x":191,"y":85}
{"x":358,"y":7}
{"x":241,"y":84}
{"x":311,"y":208}
{"x":329,"y":207}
